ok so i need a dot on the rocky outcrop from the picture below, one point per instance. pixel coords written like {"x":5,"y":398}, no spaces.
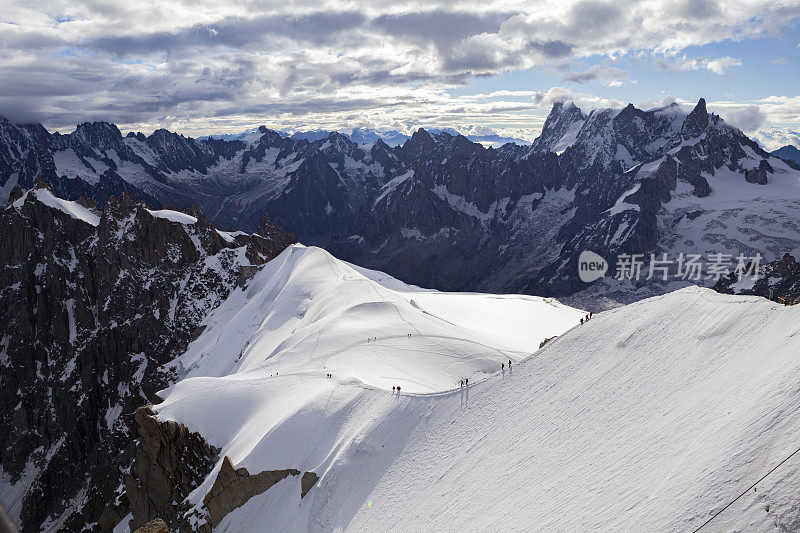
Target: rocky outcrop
{"x":94,"y":303}
{"x":759,"y":175}
{"x":777,"y":280}
{"x":307,"y":483}
{"x":170,"y":462}
{"x":234,"y":486}
{"x":154,"y":526}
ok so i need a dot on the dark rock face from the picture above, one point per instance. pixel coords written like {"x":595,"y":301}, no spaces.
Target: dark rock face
{"x":789,"y":153}
{"x":778,"y":280}
{"x":759,"y":175}
{"x":307,"y":483}
{"x":170,"y":462}
{"x":234,"y":486}
{"x":94,"y":304}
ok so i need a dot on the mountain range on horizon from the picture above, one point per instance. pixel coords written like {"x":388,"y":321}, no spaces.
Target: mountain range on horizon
{"x":442,"y":211}
{"x":362,"y":136}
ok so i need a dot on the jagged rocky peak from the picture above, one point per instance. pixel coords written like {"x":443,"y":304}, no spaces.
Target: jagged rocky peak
{"x":139,"y":136}
{"x":269,"y":136}
{"x":101,"y":135}
{"x":335,"y":142}
{"x":421,"y":137}
{"x":560,"y":129}
{"x":163,"y":141}
{"x":697,"y":121}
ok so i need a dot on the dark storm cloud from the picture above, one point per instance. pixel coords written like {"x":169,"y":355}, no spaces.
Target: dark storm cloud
{"x":595,"y":73}
{"x":698,"y":9}
{"x":443,"y":28}
{"x":552,"y":49}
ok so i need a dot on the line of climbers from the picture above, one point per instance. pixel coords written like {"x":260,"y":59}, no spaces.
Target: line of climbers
{"x":465,"y":381}
{"x":374,"y":339}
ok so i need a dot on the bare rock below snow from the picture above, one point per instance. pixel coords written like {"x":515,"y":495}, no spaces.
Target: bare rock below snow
{"x":309,"y":480}
{"x":777,"y":280}
{"x":234,"y":486}
{"x":759,"y":175}
{"x":170,"y":462}
{"x":154,"y":526}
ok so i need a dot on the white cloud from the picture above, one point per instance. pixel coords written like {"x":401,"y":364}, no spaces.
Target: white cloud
{"x":610,"y":75}
{"x":774,"y":137}
{"x":747,"y":118}
{"x":719,"y":66}
{"x":722,"y":64}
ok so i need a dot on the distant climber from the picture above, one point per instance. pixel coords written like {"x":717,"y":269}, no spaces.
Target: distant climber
{"x":398,"y":388}
{"x":467,"y":382}
{"x":581,"y":321}
{"x":462,"y":382}
{"x":393,"y":388}
{"x":509,"y":363}
{"x":502,"y":366}
{"x":590,"y":314}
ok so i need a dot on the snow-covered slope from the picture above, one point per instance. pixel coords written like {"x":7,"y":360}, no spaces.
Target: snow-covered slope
{"x":308,"y":313}
{"x":650,"y":417}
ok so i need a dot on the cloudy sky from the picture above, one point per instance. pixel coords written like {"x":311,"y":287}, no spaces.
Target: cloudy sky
{"x":202,"y":66}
